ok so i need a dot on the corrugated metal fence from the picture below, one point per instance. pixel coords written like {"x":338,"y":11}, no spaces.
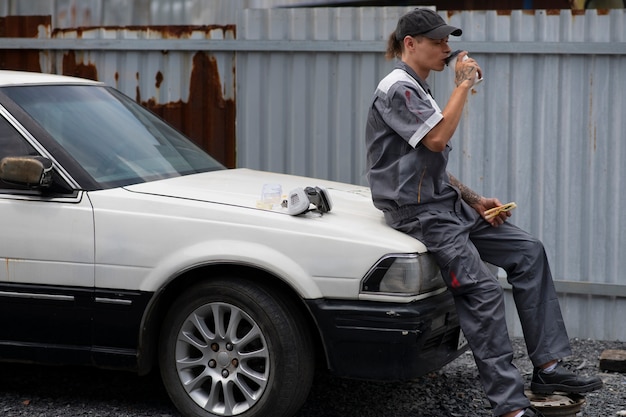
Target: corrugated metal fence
{"x":545,"y":129}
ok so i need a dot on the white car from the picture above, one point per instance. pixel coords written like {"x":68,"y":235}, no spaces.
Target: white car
{"x":126,"y":246}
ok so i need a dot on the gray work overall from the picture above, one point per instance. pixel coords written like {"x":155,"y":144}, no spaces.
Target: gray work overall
{"x":460,"y":240}
{"x":410,"y":184}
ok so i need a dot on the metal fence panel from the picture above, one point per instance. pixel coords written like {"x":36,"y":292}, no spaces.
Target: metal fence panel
{"x":313,"y":103}
{"x":545,"y":129}
{"x":549,"y":131}
{"x":80,"y":13}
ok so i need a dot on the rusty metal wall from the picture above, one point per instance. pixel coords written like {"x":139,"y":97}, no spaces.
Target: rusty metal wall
{"x":191,"y":87}
{"x":23,"y":27}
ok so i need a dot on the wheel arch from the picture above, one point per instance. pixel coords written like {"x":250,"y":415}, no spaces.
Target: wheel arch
{"x":153,"y":318}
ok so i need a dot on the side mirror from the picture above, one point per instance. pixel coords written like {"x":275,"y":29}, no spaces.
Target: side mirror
{"x":28,"y":171}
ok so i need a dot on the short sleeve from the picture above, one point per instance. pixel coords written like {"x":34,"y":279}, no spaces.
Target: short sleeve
{"x":409,"y":114}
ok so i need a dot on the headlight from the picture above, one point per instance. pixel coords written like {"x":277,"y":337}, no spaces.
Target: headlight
{"x":403,"y":274}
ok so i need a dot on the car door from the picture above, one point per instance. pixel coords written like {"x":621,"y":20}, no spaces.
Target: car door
{"x":46,"y":266}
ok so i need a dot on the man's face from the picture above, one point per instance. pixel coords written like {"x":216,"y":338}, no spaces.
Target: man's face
{"x":431,"y":53}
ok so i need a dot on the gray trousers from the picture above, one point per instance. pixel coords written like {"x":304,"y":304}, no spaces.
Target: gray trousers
{"x":460,"y":241}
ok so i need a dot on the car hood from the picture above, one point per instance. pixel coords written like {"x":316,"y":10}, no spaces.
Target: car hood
{"x":352,"y":214}
{"x":243,"y":187}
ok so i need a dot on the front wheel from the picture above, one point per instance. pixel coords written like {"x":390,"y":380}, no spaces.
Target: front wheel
{"x":232,"y":348}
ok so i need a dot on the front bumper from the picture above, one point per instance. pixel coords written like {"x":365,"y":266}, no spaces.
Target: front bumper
{"x":388,"y":341}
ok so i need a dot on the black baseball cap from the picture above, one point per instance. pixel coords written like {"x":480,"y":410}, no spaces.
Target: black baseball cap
{"x":424,"y":22}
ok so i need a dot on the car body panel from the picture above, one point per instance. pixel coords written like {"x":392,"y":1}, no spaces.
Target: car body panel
{"x":362,"y":338}
{"x":212,"y":218}
{"x":31,"y":231}
{"x":20,"y":78}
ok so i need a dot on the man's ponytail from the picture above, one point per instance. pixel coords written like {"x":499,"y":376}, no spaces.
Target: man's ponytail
{"x":394,"y":47}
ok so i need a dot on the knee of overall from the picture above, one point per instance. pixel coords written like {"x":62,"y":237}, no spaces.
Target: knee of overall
{"x":533,"y":248}
{"x":463,"y":274}
{"x":530,"y":255}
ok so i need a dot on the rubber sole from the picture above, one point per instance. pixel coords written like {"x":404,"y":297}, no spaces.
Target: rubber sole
{"x":551,"y":388}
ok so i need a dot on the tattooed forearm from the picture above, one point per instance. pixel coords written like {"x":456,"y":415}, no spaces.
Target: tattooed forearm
{"x":470,"y":196}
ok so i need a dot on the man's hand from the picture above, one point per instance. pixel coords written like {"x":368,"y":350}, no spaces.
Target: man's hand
{"x":484,"y":204}
{"x":479,"y":203}
{"x":466,"y":70}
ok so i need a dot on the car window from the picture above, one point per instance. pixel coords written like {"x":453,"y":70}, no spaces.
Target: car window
{"x":11,"y":142}
{"x":117,"y":141}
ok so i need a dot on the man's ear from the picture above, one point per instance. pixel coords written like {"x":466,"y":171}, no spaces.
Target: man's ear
{"x":409,"y":42}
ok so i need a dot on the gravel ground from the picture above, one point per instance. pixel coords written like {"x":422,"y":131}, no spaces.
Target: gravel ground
{"x":29,"y":390}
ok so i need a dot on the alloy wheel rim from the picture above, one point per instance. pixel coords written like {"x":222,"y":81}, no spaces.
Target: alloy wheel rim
{"x":222,"y":359}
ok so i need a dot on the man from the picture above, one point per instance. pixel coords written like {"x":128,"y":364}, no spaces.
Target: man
{"x":407,"y":137}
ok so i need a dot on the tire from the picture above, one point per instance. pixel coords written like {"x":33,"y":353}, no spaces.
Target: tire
{"x":229,"y":347}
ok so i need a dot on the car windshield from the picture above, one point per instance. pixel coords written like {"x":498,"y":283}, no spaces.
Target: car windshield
{"x":117,"y":141}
